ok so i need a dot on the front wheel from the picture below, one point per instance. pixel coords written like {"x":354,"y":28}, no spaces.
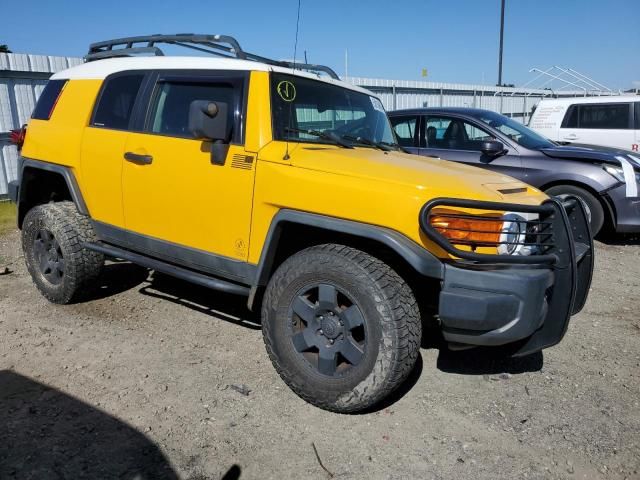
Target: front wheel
{"x":341,"y":327}
{"x":593,"y":208}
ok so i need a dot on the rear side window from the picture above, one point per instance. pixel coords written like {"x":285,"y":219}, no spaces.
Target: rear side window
{"x":169,"y":113}
{"x":48,"y":99}
{"x":405,"y":128}
{"x":609,"y":116}
{"x":116,"y":101}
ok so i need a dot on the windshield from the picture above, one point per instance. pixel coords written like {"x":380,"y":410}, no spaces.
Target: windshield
{"x":306,"y":110}
{"x":515,"y":131}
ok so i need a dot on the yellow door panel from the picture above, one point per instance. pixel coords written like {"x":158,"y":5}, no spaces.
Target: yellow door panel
{"x":180,"y":197}
{"x":101,"y":167}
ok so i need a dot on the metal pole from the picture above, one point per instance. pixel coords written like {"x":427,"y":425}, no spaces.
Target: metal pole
{"x":501,"y":43}
{"x":393,"y":89}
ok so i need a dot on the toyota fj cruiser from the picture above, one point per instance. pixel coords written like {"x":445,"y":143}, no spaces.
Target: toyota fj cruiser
{"x":281,"y":183}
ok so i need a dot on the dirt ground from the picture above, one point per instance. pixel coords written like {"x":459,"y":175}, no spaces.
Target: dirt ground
{"x":142,"y":382}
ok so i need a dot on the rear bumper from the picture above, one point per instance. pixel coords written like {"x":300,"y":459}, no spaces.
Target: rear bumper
{"x":527,"y":306}
{"x":13,"y":191}
{"x":627,"y":210}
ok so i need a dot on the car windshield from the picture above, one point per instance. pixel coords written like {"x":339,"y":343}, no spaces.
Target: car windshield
{"x":515,"y":131}
{"x":307,"y":110}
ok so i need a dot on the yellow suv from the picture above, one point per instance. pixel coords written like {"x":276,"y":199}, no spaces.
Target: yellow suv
{"x":279,"y":182}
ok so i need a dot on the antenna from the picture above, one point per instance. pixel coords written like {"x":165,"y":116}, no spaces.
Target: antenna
{"x":293,"y":68}
{"x":346,"y":65}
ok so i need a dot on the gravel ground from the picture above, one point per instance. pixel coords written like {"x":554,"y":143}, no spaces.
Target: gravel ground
{"x":149,"y":379}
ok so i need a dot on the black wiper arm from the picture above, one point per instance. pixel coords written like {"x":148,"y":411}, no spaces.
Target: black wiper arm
{"x":332,"y":137}
{"x":396,"y":145}
{"x":366,"y":141}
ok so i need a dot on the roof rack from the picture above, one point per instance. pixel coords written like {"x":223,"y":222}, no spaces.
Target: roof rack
{"x":220,"y":45}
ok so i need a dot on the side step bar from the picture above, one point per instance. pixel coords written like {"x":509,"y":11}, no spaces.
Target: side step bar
{"x":169,"y":269}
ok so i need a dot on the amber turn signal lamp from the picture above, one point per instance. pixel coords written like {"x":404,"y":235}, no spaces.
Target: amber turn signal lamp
{"x":485,"y":230}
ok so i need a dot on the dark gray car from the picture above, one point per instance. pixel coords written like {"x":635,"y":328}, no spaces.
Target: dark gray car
{"x":605,"y":178}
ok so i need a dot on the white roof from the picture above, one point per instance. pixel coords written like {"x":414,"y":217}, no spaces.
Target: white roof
{"x":601,"y":99}
{"x":100,"y":69}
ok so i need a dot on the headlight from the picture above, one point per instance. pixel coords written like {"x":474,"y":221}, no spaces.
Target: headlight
{"x":513,"y":238}
{"x":507,"y":233}
{"x":618,"y":173}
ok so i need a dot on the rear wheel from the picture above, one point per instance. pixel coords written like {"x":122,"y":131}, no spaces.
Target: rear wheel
{"x":52,"y":240}
{"x":594,"y":210}
{"x":341,"y":327}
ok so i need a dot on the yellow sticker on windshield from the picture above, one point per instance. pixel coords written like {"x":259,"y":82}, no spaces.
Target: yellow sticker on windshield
{"x":286,"y":90}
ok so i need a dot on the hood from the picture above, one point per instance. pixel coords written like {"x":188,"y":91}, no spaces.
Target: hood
{"x":592,"y":154}
{"x":434,"y":177}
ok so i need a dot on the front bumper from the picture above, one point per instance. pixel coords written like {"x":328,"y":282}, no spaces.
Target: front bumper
{"x":525,"y":304}
{"x":493,"y":307}
{"x":626,"y":210}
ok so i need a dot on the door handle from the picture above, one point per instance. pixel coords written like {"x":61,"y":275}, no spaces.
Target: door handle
{"x":573,"y":136}
{"x":137,"y":158}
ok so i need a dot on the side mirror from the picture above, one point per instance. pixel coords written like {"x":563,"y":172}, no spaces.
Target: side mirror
{"x":492,"y":148}
{"x":209,"y":121}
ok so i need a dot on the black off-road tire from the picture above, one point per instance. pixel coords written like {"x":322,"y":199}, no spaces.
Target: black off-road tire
{"x":64,"y":231}
{"x":391,"y":325}
{"x":595,"y":211}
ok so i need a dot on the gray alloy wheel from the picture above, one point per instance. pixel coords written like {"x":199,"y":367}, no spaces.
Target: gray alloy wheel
{"x":341,"y":327}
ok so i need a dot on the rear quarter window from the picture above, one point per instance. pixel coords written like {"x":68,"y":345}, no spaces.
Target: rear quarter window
{"x":116,"y":100}
{"x":48,"y":99}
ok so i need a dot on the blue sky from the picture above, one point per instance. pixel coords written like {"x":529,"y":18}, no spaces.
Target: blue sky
{"x":457,"y":40}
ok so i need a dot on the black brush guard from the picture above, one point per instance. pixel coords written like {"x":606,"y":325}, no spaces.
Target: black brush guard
{"x":562,"y":237}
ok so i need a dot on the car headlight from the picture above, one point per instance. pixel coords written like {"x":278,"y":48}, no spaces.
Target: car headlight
{"x":618,"y":173}
{"x":511,"y":233}
{"x":513,"y":239}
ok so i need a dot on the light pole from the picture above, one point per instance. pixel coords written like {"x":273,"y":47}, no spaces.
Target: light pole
{"x":501,"y":42}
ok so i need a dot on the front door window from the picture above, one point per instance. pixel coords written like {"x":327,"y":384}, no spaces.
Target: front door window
{"x":454,"y":134}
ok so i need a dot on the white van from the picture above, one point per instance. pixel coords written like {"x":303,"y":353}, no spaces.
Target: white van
{"x":612,"y":121}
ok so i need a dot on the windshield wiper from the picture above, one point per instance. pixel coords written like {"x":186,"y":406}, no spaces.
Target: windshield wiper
{"x":395,"y":145}
{"x":384,"y":146}
{"x":332,"y":137}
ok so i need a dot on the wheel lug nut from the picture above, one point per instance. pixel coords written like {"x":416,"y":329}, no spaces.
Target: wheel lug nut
{"x":320,"y":332}
{"x":331,"y":341}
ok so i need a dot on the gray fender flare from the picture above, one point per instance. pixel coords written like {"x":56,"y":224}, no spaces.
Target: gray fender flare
{"x":423,"y":261}
{"x":65,"y":172}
